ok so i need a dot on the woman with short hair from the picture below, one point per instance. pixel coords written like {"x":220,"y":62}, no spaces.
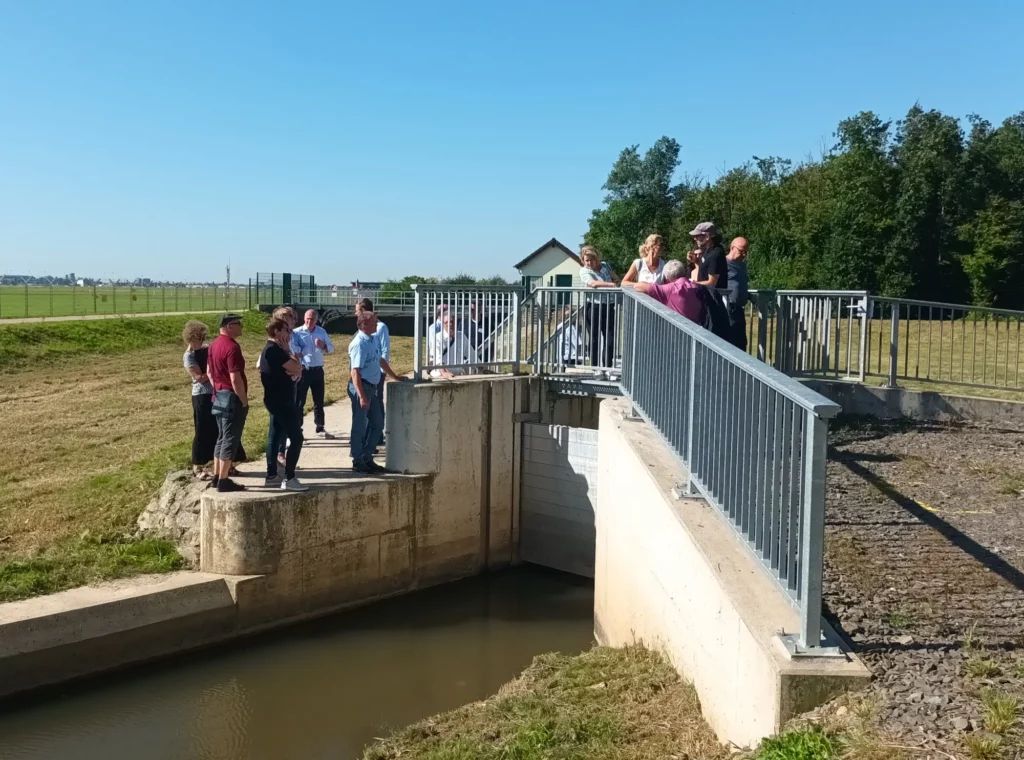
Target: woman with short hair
{"x":600,"y":310}
{"x":650,"y":266}
{"x":204,"y":435}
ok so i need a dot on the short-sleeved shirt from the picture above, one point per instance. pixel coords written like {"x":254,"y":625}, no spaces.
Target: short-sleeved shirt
{"x":277,"y":384}
{"x":644,"y":273}
{"x":303,"y":342}
{"x":224,"y":358}
{"x":197,"y":358}
{"x":712,"y":261}
{"x":682,"y":296}
{"x":364,"y":355}
{"x":604,"y":274}
{"x":739,"y":282}
{"x":384,"y":336}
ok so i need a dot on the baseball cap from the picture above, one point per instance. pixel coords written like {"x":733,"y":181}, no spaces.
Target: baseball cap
{"x":704,"y":228}
{"x":227,"y":319}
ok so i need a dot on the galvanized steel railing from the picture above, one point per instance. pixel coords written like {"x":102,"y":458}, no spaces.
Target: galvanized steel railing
{"x":753,"y":440}
{"x":576,"y":331}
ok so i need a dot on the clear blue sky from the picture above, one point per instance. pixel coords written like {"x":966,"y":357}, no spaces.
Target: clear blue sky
{"x":158,"y":138}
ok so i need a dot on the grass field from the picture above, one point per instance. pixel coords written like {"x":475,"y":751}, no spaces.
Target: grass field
{"x":18,"y":301}
{"x":98,"y":413}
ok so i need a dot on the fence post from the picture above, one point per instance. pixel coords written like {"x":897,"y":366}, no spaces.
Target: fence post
{"x":690,"y":489}
{"x":632,"y":353}
{"x":541,"y":338}
{"x":417,"y":338}
{"x":781,"y":333}
{"x":866,"y":308}
{"x":812,"y":535}
{"x":894,"y":344}
{"x":26,"y":300}
{"x":762,"y":329}
{"x":517,"y":333}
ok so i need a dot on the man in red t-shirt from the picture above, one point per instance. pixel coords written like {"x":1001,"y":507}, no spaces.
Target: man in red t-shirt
{"x":225,"y":366}
{"x":678,"y":292}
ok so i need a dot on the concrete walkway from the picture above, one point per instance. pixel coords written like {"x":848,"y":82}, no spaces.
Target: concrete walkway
{"x":82,"y":317}
{"x":322,"y":462}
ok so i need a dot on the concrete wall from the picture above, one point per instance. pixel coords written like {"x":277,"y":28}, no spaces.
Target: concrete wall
{"x":894,"y":403}
{"x":559,"y":488}
{"x":673,"y":575}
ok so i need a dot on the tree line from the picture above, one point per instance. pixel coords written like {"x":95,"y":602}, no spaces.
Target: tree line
{"x":392,"y":290}
{"x":919,"y":208}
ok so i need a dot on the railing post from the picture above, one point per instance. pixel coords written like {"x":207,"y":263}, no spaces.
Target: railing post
{"x":865,"y":327}
{"x":812,"y":537}
{"x":417,"y":339}
{"x":781,"y":334}
{"x":692,"y":380}
{"x":517,"y":333}
{"x":762,"y":329}
{"x":632,"y":351}
{"x":541,"y":338}
{"x":894,"y":344}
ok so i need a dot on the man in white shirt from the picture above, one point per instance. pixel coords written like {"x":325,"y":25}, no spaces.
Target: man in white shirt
{"x":570,"y":340}
{"x":383,"y":335}
{"x":452,"y":350}
{"x":312,"y":342}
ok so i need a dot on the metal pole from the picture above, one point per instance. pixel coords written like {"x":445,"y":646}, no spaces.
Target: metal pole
{"x":894,"y":344}
{"x":865,"y":327}
{"x":517,"y":333}
{"x":417,"y":339}
{"x":632,"y":354}
{"x":812,"y":538}
{"x":690,"y":488}
{"x":762,"y":329}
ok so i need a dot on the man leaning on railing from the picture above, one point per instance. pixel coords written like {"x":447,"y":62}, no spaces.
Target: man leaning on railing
{"x":678,"y":292}
{"x":453,"y":350}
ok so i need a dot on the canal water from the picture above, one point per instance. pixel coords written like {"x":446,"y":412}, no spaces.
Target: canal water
{"x":317,"y":691}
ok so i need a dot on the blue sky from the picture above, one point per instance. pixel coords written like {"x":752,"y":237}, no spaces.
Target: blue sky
{"x":375,"y":140}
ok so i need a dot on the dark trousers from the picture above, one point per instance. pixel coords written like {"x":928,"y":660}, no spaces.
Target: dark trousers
{"x":285,"y":424}
{"x":313,"y":381}
{"x":379,"y":401}
{"x":601,"y":324}
{"x":738,"y":326}
{"x":204,"y":436}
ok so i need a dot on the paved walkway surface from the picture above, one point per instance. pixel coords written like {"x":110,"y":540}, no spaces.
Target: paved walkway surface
{"x":81,"y":317}
{"x":322,"y":462}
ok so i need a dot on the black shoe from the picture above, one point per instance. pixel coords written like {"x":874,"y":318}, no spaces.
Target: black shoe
{"x":374,"y":467}
{"x":228,"y":486}
{"x":361,"y":467}
{"x":214,"y":481}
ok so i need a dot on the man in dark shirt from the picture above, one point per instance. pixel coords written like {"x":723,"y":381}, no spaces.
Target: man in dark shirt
{"x":277,"y":370}
{"x":710,"y":269}
{"x":738,"y":293}
{"x":225,"y":366}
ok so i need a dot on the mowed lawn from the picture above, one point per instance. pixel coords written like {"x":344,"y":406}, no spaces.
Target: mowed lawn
{"x":18,"y":301}
{"x":95,"y":415}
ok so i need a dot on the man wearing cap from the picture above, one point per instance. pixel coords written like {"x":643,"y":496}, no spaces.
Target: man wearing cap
{"x":225,"y":367}
{"x":738,"y":291}
{"x":311,"y":342}
{"x":711,"y":268}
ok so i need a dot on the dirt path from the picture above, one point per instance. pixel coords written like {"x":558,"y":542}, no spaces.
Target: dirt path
{"x":925,"y":570}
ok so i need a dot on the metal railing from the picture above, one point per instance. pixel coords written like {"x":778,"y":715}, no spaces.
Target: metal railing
{"x":346,"y":299}
{"x":822,"y":333}
{"x":944,"y":343}
{"x":753,"y":440}
{"x":463,"y":329}
{"x":576,"y":330}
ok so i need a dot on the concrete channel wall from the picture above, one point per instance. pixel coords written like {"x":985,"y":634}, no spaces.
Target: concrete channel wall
{"x":672,"y":574}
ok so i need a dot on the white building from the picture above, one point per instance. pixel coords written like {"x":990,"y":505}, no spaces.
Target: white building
{"x":551,"y":265}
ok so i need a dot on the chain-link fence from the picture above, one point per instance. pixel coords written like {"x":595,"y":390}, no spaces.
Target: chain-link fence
{"x":60,"y":300}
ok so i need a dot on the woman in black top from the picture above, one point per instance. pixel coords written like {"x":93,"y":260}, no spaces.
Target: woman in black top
{"x":277,"y":368}
{"x":711,"y":267}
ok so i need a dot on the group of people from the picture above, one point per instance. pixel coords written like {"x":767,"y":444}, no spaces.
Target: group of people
{"x":707,"y":280}
{"x":291,"y":367}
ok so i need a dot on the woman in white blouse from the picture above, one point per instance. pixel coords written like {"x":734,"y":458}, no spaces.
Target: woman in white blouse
{"x":650,"y":266}
{"x":600,"y":310}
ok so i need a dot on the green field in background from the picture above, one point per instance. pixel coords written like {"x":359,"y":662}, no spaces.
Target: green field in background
{"x":64,"y":301}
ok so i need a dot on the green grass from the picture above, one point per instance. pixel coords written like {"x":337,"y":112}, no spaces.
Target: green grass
{"x":980,"y":747}
{"x":29,"y":345}
{"x":981,"y":667}
{"x":84,"y":561}
{"x":803,"y":744}
{"x":899,"y":619}
{"x":19,"y":301}
{"x":1012,"y":484}
{"x":1001,"y":710}
{"x":602,"y":704}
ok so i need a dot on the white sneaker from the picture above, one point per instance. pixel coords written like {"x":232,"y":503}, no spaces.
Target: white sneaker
{"x":274,"y":482}
{"x":293,"y":485}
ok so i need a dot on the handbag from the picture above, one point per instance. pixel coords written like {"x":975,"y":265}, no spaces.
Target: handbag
{"x":224,"y":403}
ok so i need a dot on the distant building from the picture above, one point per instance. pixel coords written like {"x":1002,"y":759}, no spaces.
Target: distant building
{"x":551,"y":265}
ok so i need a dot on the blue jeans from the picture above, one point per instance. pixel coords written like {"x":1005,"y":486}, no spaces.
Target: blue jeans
{"x":367,"y":424}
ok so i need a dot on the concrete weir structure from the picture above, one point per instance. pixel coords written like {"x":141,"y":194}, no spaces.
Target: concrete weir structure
{"x":669,"y":573}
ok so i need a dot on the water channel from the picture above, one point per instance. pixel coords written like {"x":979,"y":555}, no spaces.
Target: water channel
{"x":315,"y":691}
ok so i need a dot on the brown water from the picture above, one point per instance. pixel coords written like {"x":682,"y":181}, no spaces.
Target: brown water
{"x":316,"y":691}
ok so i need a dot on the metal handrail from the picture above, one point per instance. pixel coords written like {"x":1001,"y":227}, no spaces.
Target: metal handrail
{"x":753,"y":441}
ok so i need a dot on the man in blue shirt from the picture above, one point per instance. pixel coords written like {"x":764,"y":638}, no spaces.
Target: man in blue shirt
{"x":365,"y":382}
{"x":384,"y":336}
{"x":310,"y":342}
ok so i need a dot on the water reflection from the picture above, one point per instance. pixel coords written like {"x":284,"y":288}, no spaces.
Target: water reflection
{"x":321,"y":690}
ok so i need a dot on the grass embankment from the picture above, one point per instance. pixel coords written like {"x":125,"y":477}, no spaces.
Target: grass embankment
{"x":605,"y":703}
{"x":21,"y":301}
{"x":96,"y":414}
